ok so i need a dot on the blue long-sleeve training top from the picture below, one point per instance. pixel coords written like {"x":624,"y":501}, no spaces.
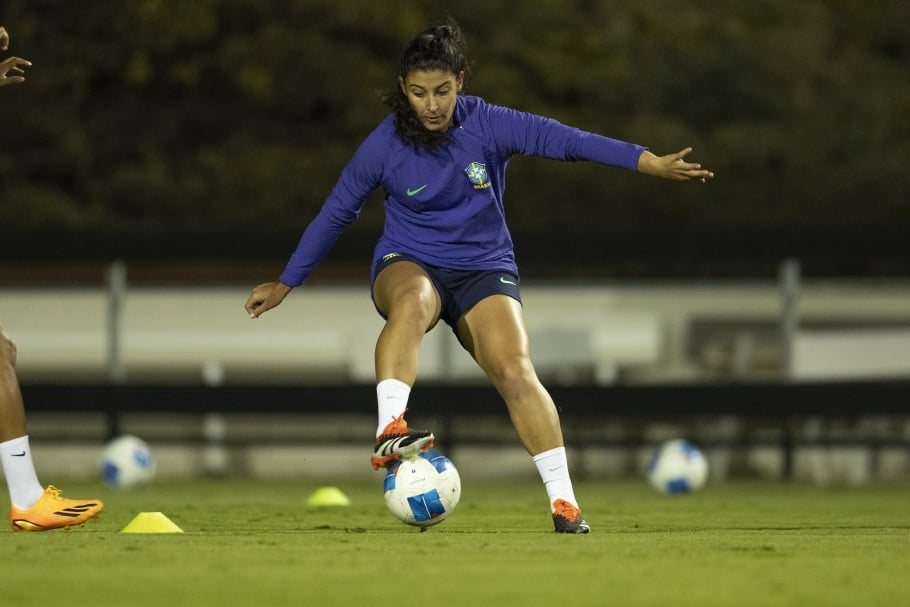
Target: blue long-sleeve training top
{"x":446,"y":208}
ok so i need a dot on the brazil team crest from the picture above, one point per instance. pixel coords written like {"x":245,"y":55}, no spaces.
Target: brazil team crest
{"x":477,"y":174}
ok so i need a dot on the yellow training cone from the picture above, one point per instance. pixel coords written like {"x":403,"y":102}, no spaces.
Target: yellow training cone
{"x":151,"y":522}
{"x":329,"y":496}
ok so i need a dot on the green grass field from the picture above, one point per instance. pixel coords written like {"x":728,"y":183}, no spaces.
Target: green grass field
{"x":257,"y":543}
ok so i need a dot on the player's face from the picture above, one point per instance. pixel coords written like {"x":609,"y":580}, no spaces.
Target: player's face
{"x":432,"y":96}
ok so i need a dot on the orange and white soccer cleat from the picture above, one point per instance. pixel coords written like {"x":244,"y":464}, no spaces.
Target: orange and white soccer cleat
{"x":398,"y":441}
{"x":567,"y":518}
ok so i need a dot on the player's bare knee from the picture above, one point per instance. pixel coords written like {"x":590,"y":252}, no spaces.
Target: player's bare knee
{"x":511,"y":374}
{"x":415,"y":303}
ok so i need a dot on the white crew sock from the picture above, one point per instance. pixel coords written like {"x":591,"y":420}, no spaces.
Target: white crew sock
{"x":392,"y":396}
{"x":21,"y":479}
{"x":554,"y":472}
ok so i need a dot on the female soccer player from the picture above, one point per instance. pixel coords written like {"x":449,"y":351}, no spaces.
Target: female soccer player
{"x":446,"y":253}
{"x":32,"y":507}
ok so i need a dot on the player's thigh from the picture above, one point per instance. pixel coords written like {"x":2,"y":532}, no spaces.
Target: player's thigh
{"x":493,"y":331}
{"x":405,"y":284}
{"x":7,"y":347}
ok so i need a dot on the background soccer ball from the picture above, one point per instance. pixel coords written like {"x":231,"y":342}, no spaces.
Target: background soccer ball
{"x":424,"y":490}
{"x":127,"y":461}
{"x":677,"y":466}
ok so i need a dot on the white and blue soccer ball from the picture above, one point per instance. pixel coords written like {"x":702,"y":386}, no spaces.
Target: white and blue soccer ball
{"x":423,"y":490}
{"x":126,"y":462}
{"x":678,"y":466}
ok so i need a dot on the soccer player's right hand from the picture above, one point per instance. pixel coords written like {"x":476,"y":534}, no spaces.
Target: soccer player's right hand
{"x":265,"y":297}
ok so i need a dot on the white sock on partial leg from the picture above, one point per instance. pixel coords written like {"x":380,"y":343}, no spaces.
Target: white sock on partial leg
{"x":392,"y":396}
{"x":21,"y":478}
{"x":554,"y":472}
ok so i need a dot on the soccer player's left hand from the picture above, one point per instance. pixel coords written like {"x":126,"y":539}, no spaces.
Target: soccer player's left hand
{"x":11,"y":64}
{"x":673,"y":166}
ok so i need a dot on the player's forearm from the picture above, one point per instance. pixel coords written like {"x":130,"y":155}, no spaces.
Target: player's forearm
{"x":648,"y":164}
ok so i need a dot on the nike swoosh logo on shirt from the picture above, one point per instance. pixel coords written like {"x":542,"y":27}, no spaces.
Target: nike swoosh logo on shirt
{"x":503,"y":280}
{"x":18,"y":454}
{"x":417,"y":191}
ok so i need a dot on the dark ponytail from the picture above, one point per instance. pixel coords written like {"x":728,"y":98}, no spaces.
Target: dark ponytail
{"x":441,"y":48}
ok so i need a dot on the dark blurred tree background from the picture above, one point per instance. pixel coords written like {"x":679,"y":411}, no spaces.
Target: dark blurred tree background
{"x":236,"y":116}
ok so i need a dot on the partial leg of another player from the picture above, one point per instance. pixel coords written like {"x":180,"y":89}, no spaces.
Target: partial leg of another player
{"x":32,"y":507}
{"x":494,"y":332}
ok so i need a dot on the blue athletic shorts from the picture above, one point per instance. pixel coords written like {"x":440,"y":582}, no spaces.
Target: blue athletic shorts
{"x":459,"y":290}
